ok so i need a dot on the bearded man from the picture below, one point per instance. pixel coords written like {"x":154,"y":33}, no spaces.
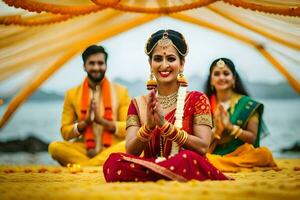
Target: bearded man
{"x":94,"y":115}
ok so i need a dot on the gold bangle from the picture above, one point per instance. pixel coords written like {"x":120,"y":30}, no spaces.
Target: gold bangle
{"x":182,"y":138}
{"x":173,"y":134}
{"x":235,"y":130}
{"x":144,"y":133}
{"x":215,"y":136}
{"x":238,"y":133}
{"x":177,"y":137}
{"x":164,"y":127}
{"x":148,"y":128}
{"x":167,"y":130}
{"x":141,"y":138}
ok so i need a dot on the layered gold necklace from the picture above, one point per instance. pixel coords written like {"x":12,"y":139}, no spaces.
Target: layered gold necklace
{"x":167,"y":101}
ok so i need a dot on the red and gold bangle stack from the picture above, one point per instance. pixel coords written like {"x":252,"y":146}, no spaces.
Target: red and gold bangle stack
{"x":169,"y":131}
{"x":144,"y":133}
{"x":236,"y":132}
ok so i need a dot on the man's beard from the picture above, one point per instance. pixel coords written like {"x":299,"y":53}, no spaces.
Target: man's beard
{"x":97,"y":79}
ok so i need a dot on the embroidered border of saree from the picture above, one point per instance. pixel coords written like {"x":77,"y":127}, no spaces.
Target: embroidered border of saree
{"x":156,"y":168}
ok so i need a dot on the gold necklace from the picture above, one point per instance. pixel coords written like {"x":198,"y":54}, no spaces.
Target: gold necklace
{"x":167,"y":101}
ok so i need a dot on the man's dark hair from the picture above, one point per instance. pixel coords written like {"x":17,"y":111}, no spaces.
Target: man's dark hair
{"x":93,"y":49}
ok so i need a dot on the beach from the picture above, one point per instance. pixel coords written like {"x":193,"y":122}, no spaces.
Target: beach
{"x":36,"y":176}
{"x":53,"y":182}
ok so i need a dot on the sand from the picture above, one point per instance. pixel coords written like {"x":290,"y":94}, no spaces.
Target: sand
{"x":53,"y":182}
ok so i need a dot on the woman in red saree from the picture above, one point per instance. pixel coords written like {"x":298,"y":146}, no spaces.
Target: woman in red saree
{"x":170,"y":126}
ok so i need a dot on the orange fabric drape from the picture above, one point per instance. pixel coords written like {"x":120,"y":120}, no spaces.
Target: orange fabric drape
{"x":170,"y":8}
{"x":36,"y":6}
{"x":275,"y":9}
{"x":39,"y":19}
{"x":85,"y":7}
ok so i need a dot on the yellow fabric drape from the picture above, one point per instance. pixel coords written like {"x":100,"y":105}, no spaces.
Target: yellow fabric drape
{"x":32,"y":86}
{"x":79,"y":46}
{"x":238,"y":20}
{"x":292,"y":81}
{"x":25,"y":44}
{"x":289,"y":7}
{"x":36,"y":46}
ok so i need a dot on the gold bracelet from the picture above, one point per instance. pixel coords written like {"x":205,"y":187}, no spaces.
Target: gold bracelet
{"x":141,"y":138}
{"x":215,"y":136}
{"x":144,"y":134}
{"x":167,"y":130}
{"x":173,"y":134}
{"x":235,"y":130}
{"x":238,"y":133}
{"x":182,"y":138}
{"x":164,"y":127}
{"x":177,"y":136}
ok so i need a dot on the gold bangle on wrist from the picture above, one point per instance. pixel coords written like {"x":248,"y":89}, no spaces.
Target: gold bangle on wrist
{"x":215,"y":135}
{"x":235,"y":130}
{"x":144,"y":133}
{"x":238,"y":133}
{"x":182,"y":137}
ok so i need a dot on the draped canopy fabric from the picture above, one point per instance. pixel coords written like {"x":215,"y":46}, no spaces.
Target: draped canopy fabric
{"x":43,"y":35}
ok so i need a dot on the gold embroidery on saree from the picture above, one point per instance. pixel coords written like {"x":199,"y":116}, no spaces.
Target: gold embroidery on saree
{"x":203,"y":119}
{"x":156,"y":168}
{"x":132,"y":120}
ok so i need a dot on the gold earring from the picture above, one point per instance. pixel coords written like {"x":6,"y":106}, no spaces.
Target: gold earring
{"x":233,"y":85}
{"x":151,"y":83}
{"x":212,"y":88}
{"x":181,"y":80}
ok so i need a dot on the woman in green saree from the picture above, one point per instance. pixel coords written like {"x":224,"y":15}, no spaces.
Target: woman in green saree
{"x":238,"y":122}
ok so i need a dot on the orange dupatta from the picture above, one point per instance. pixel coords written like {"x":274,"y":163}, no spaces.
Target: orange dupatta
{"x":108,"y":114}
{"x":213,"y":103}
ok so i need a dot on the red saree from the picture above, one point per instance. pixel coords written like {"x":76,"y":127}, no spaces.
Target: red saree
{"x":184,"y":166}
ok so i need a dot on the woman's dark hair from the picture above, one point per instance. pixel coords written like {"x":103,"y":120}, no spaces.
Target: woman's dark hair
{"x":239,"y":86}
{"x":176,"y":37}
{"x":93,"y":49}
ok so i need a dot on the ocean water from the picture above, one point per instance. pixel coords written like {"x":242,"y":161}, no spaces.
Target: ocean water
{"x":42,"y":119}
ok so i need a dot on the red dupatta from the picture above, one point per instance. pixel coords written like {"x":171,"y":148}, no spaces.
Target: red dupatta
{"x":213,"y":103}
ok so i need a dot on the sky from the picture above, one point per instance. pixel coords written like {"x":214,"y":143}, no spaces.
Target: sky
{"x":128,"y":61}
